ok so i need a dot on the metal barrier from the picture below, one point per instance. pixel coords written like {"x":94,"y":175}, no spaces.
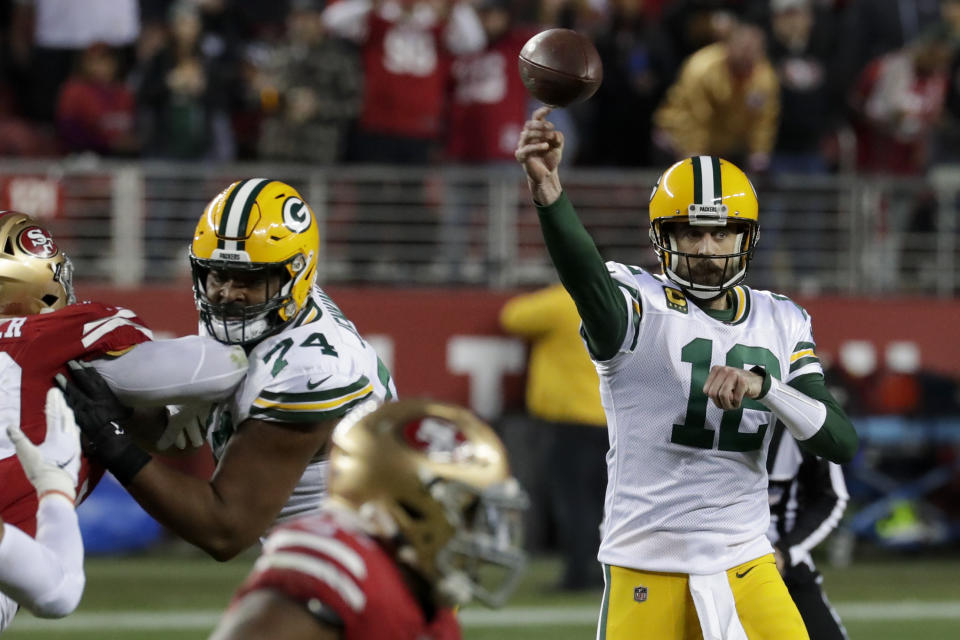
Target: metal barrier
{"x":129,"y":223}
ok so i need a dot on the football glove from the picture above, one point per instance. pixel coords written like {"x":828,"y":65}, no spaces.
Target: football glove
{"x":99,"y":415}
{"x":51,"y":467}
{"x":185,"y":426}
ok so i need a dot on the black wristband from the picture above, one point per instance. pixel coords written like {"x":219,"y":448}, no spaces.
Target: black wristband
{"x":117,"y":452}
{"x":765,"y":385}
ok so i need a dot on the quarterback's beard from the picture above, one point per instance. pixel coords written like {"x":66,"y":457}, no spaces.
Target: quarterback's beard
{"x":704,"y":271}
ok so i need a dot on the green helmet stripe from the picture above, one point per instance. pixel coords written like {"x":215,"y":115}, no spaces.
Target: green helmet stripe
{"x":707,"y":187}
{"x":236,"y":213}
{"x":717,"y":183}
{"x":247,"y":208}
{"x":697,"y":180}
{"x":222,"y":230}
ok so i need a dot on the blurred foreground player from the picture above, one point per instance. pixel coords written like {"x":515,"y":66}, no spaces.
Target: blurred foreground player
{"x":42,"y":327}
{"x":422,"y":511}
{"x":45,"y":574}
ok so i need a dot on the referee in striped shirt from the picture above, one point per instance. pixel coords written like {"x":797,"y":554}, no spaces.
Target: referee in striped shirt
{"x":807,"y":500}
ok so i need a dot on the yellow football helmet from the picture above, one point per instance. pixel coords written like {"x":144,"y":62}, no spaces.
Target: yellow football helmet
{"x":257,"y":227}
{"x":35,"y":276}
{"x":432,"y":480}
{"x":704,"y":191}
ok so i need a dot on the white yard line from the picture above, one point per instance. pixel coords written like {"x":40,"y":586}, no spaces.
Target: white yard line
{"x":474,"y":617}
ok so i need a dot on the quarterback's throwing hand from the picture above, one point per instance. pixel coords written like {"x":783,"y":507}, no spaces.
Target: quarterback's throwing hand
{"x":727,"y":386}
{"x":51,"y":467}
{"x":539,"y":150}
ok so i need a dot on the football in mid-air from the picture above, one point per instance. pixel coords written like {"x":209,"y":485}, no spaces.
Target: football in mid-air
{"x":560,"y":67}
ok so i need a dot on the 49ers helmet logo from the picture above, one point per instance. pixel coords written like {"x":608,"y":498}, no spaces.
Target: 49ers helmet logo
{"x":440,"y":440}
{"x":37,"y":242}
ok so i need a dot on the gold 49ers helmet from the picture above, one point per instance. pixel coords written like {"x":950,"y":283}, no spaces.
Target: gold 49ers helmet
{"x":432,"y":480}
{"x":704,"y":191}
{"x":35,"y":275}
{"x":255,"y":229}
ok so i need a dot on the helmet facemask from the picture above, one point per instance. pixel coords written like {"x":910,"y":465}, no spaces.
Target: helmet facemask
{"x":232,"y":323}
{"x":704,"y":277}
{"x":484,"y":558}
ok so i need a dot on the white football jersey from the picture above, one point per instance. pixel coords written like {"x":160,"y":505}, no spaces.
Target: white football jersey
{"x":687,"y":488}
{"x":317,"y":369}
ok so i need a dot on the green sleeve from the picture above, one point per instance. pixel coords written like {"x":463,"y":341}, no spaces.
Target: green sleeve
{"x":584,"y":275}
{"x":837,"y":440}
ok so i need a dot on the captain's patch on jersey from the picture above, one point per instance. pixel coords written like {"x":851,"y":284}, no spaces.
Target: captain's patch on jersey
{"x":675,"y":299}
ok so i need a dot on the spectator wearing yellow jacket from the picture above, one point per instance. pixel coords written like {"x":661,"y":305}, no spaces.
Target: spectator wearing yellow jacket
{"x":563,"y":402}
{"x":725,"y":102}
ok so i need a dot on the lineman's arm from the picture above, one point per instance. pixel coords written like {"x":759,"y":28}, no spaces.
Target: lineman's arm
{"x":805,"y":406}
{"x":178,"y":371}
{"x":268,"y":614}
{"x":224,"y":515}
{"x":254,"y":479}
{"x":582,"y":271}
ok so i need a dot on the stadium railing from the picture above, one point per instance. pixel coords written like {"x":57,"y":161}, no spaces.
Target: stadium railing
{"x":130,"y":223}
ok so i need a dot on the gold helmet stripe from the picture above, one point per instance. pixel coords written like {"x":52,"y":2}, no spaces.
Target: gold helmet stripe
{"x":707,"y":183}
{"x":236,"y":214}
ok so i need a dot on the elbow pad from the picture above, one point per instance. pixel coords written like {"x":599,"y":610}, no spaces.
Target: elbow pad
{"x":180,"y":371}
{"x":801,"y":415}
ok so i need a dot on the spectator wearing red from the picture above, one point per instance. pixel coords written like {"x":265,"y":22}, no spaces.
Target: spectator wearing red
{"x":406,"y":46}
{"x":898,"y":102}
{"x":488,"y":107}
{"x":489,"y":102}
{"x":95,"y":111}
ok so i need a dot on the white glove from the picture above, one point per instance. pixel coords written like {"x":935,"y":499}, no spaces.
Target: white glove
{"x":53,"y":465}
{"x":185,"y":425}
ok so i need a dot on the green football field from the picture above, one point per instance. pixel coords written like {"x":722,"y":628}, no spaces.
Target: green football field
{"x":179,"y":597}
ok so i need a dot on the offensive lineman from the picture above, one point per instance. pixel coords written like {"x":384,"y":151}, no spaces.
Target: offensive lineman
{"x":41,"y":328}
{"x":254,"y":260}
{"x":683,"y":545}
{"x":422,"y":508}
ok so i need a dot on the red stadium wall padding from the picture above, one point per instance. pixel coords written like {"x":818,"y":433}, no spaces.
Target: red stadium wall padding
{"x":445,"y":343}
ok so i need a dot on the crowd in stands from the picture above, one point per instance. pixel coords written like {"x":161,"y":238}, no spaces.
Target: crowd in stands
{"x":799,"y":86}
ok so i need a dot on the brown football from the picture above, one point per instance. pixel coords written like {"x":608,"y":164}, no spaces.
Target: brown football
{"x":560,"y":67}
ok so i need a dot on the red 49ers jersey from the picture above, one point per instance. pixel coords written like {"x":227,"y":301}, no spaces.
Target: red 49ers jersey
{"x":33,"y":349}
{"x":327,"y":558}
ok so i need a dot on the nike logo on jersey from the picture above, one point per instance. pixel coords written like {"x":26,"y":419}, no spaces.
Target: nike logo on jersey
{"x":749,"y":569}
{"x":313,"y":385}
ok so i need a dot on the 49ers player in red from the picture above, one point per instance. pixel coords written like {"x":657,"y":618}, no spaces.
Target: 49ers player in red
{"x":422,"y":515}
{"x":41,"y":328}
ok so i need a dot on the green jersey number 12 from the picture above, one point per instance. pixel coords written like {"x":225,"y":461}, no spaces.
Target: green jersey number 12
{"x":693,"y":432}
